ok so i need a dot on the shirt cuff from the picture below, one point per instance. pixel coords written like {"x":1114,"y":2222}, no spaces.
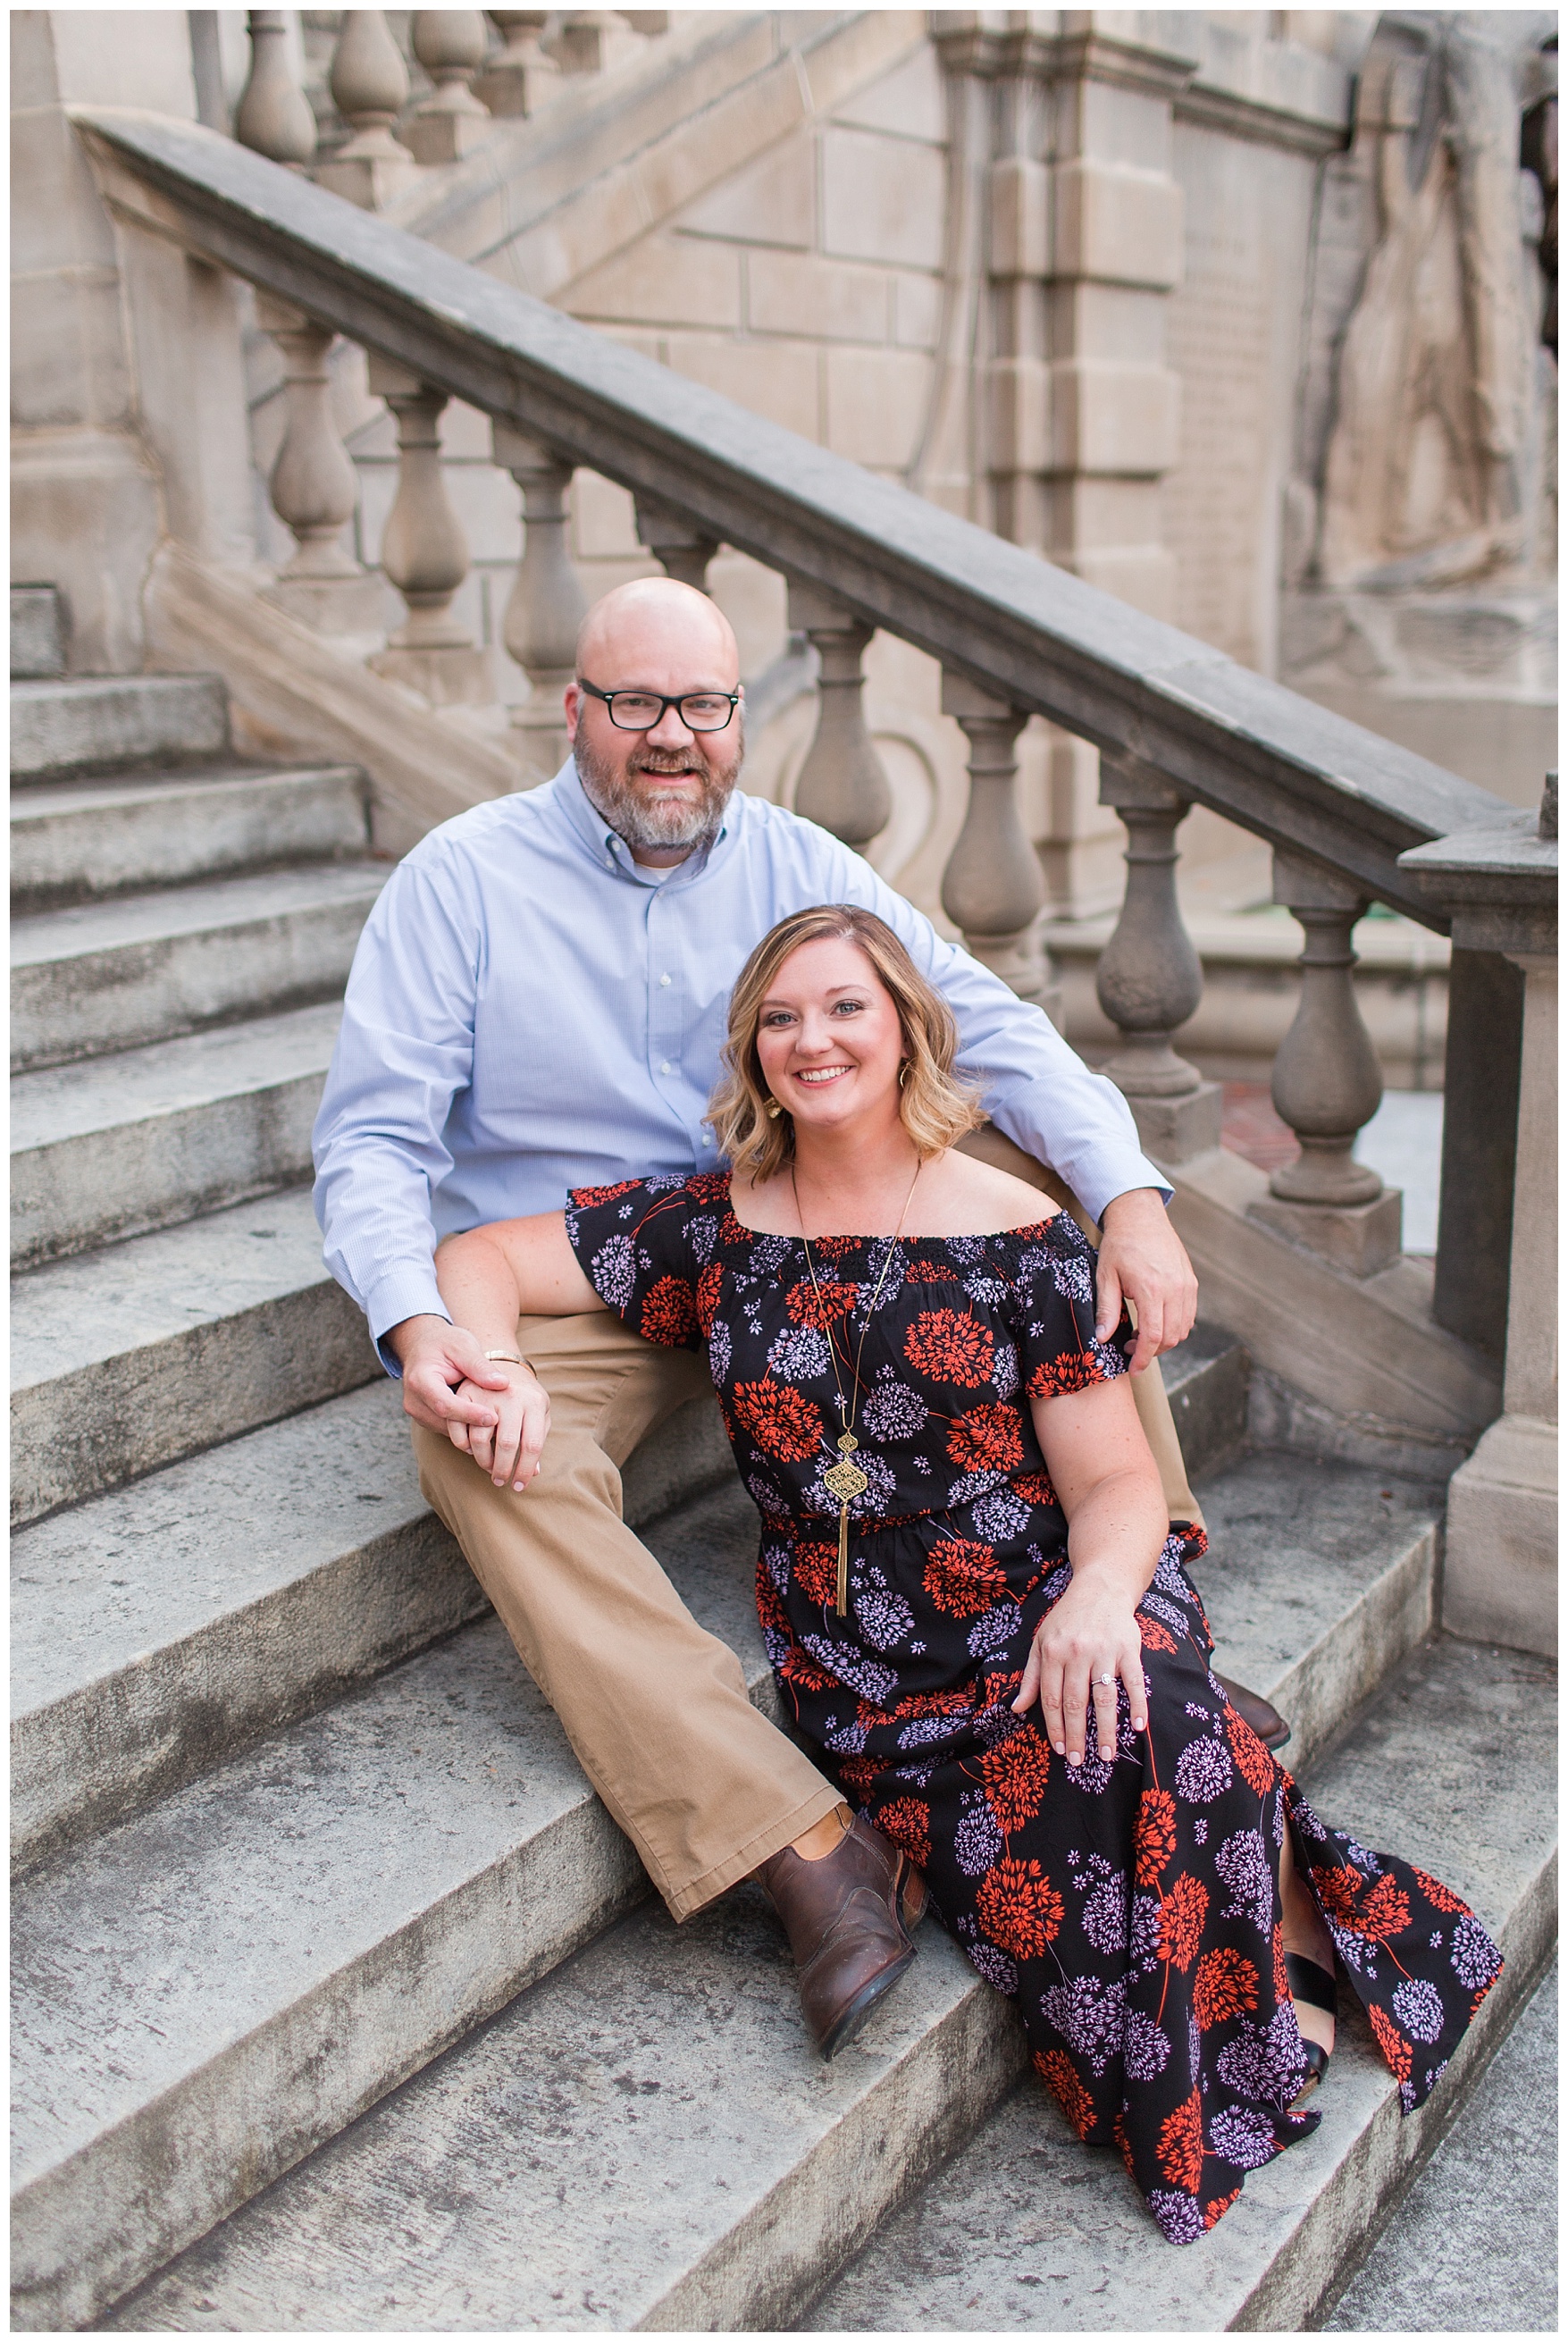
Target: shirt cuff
{"x":407,"y":1291}
{"x":1102,"y":1177}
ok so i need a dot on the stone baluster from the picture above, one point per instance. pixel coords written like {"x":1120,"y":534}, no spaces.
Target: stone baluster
{"x":369,"y":84}
{"x":1327,"y":1083}
{"x":992,"y":888}
{"x":522,"y":78}
{"x":274,"y":116}
{"x":450,"y":44}
{"x":1150,"y":980}
{"x":842,"y":784}
{"x":424,"y":553}
{"x":546,"y":604}
{"x":681,"y":548}
{"x":591,"y":40}
{"x":315,"y":486}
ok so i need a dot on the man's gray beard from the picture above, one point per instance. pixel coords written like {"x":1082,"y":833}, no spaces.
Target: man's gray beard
{"x":640,"y":823}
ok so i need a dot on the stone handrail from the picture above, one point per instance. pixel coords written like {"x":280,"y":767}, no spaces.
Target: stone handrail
{"x":1168,"y":711}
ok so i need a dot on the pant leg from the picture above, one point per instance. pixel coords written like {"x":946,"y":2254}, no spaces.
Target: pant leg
{"x":654,"y":1706}
{"x":992,"y":1145}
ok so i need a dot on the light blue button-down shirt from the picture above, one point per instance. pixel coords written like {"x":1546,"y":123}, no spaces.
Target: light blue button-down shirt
{"x":530,"y":1011}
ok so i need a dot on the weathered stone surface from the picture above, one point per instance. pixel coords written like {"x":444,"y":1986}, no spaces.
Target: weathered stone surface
{"x":204,"y":2002}
{"x":110,"y":975}
{"x":1206,"y":1379}
{"x":1028,"y":2231}
{"x":72,"y":727}
{"x":37,"y":633}
{"x":85,"y":838}
{"x":134,"y":1357}
{"x":134,"y":1141}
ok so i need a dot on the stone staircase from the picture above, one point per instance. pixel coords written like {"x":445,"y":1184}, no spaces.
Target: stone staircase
{"x":340,"y":2002}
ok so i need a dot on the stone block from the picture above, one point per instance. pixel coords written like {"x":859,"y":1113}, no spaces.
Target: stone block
{"x":1500,"y":1571}
{"x":452,"y":675}
{"x":58,"y":218}
{"x":883,"y":199}
{"x":663,"y":280}
{"x":917,"y":311}
{"x":1360,"y":1238}
{"x":772,"y":202}
{"x":519,"y":87}
{"x":778,"y":379}
{"x":347,"y":609}
{"x":876,"y":404}
{"x":1018,"y":400}
{"x":1175,"y":1129}
{"x":37,"y":633}
{"x":1115,"y":223}
{"x":906,"y":101}
{"x":441,"y":137}
{"x":374,"y":182}
{"x":66,"y":726}
{"x":604,"y":524}
{"x":683,"y":165}
{"x":1117,"y":418}
{"x":85,"y":517}
{"x":1020,"y":218}
{"x":112,"y":56}
{"x":69,"y":364}
{"x":820,"y":300}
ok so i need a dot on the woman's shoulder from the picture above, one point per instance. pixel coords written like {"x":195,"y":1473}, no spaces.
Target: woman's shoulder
{"x":969,"y":1197}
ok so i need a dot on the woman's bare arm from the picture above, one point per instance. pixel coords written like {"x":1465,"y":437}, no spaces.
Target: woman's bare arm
{"x":1107,"y":1484}
{"x":489,"y":1278}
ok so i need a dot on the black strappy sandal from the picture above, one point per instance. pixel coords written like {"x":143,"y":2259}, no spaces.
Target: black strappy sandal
{"x":1309,"y":1981}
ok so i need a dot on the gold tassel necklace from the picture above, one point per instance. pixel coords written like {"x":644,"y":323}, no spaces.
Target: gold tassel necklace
{"x":844,"y":1479}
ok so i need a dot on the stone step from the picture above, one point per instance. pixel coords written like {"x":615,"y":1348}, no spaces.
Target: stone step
{"x":645,"y":2139}
{"x":1206,"y":1379}
{"x":37,"y":633}
{"x":205,"y":1993}
{"x":72,"y":841}
{"x":158,"y":1630}
{"x":146,"y":967}
{"x":86,"y":1898}
{"x":129,"y":1358}
{"x":1027,"y":2232}
{"x":116,"y":1145}
{"x":82,"y":722}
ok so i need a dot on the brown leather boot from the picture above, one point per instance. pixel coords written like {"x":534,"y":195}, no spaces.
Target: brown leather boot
{"x":845,"y":1916}
{"x":1252,"y":1708}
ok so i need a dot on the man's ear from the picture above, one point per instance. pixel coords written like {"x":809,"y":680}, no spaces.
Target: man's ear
{"x":572,"y":701}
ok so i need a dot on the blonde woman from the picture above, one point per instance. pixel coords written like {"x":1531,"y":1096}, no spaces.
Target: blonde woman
{"x":970,"y":1591}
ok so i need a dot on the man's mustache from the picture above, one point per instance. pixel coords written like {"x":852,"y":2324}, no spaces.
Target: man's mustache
{"x":667,"y":760}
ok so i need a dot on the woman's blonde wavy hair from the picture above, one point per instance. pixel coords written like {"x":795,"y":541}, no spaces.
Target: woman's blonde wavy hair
{"x":934,"y":1107}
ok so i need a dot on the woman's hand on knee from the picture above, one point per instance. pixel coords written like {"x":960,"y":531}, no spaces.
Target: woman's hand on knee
{"x":509,"y":1450}
{"x":1080,"y":1649}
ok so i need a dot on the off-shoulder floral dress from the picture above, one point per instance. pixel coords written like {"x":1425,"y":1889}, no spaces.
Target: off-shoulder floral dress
{"x":1131,"y":1908}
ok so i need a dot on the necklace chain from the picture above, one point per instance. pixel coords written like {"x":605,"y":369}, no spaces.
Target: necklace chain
{"x":845,"y":1479}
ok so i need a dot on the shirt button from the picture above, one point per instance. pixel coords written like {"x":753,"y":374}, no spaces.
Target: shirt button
{"x":664,"y":1065}
{"x":664,"y":979}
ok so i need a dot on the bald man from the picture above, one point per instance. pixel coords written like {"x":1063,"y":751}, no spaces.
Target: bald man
{"x":537,"y":1003}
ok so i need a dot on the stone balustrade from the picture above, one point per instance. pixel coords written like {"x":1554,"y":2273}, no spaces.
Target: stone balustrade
{"x":1175,"y":722}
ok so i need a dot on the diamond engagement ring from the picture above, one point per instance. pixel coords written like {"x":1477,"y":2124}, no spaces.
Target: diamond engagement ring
{"x":1105,"y":1679}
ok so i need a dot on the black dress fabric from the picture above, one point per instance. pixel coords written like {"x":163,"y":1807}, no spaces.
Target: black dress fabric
{"x":1131,"y":1908}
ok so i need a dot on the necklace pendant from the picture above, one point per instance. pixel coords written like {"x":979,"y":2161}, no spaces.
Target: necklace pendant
{"x":848,"y":1443}
{"x":846,"y":1481}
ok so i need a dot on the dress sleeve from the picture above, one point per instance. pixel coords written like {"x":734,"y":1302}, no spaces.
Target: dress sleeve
{"x":1057,"y":1351}
{"x":634,"y":1243}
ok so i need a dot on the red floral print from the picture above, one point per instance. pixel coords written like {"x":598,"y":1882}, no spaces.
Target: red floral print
{"x":1254,"y":1763}
{"x":710,"y":1286}
{"x":820,"y":1304}
{"x":1226,"y":1983}
{"x":588,"y":1199}
{"x":907,"y":1823}
{"x":669,"y":1315}
{"x":950,"y":1345}
{"x":986,"y":1439}
{"x":1392,"y":2042}
{"x":1059,"y":1378}
{"x":1019,"y":1909}
{"x":1153,"y":1636}
{"x":1034,"y":1488}
{"x":783,"y":1421}
{"x":1181,"y":2147}
{"x":1218,"y":2205}
{"x":1182,"y":1916}
{"x":1442,"y":1898}
{"x":1015,"y":1774}
{"x":1058,"y":2072}
{"x":961,"y":1578}
{"x":1154,"y":1839}
{"x":814,"y":1568}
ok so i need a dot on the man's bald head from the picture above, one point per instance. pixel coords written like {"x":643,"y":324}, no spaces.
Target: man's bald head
{"x":653,"y":629}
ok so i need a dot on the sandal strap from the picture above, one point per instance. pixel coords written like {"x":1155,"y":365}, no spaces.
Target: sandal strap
{"x":1312,"y":1982}
{"x":1317,"y":2058}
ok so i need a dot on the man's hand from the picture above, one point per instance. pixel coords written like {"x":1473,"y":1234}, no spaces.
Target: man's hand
{"x":436,"y":1358}
{"x":1143,"y":1260}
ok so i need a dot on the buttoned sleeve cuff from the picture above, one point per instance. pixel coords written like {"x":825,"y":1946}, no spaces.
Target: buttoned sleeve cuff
{"x":409,"y":1290}
{"x":1109,"y":1172}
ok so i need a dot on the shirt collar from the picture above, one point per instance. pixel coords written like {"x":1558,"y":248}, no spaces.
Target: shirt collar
{"x":610,"y":853}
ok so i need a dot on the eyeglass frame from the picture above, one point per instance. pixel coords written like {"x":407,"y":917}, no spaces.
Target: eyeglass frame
{"x":666,"y":702}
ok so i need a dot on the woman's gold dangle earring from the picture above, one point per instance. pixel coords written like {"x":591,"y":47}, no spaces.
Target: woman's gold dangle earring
{"x":902,"y":1072}
{"x":775,"y":1109}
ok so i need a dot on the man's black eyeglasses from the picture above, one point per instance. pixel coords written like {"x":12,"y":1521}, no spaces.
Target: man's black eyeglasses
{"x":644,"y":711}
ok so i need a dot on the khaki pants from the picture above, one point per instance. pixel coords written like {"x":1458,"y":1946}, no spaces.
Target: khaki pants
{"x":654,"y":1706}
